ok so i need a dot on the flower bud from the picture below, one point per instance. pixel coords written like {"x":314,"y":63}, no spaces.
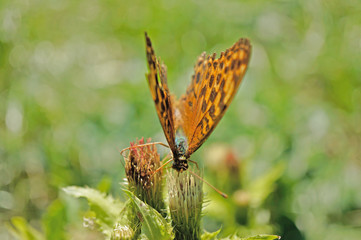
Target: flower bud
{"x":143,"y":180}
{"x":185,"y":204}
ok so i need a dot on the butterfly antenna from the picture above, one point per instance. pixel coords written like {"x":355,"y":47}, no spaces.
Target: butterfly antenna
{"x":215,"y":189}
{"x":161,"y":167}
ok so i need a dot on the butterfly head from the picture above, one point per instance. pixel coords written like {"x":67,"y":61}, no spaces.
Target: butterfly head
{"x":181,"y":145}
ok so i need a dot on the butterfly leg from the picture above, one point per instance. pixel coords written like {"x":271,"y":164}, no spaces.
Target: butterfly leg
{"x":143,"y":145}
{"x":161,"y":167}
{"x":169,"y":155}
{"x":194,"y":163}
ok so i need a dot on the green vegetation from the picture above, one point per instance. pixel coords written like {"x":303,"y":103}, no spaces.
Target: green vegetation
{"x":73,"y":92}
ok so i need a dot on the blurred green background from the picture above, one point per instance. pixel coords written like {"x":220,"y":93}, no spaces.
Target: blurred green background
{"x":73,"y":92}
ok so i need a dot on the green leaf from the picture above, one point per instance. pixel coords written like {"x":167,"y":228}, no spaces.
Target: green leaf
{"x":209,"y":236}
{"x":22,"y":230}
{"x":154,"y":226}
{"x":106,"y":208}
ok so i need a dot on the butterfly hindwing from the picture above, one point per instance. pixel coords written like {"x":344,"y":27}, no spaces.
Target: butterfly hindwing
{"x":157,"y":80}
{"x":213,"y":86}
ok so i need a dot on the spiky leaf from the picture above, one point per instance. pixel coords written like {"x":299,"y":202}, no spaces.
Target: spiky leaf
{"x":107,"y":209}
{"x":209,"y":236}
{"x":154,"y":226}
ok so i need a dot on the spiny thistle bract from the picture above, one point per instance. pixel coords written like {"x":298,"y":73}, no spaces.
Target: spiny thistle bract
{"x":185,"y":204}
{"x":140,"y":167}
{"x":122,"y":232}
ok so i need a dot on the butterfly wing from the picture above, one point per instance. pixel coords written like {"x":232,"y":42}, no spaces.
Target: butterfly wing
{"x":157,"y":80}
{"x":214,"y":84}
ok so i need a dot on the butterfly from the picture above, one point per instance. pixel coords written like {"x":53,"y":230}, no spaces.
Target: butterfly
{"x":189,"y":121}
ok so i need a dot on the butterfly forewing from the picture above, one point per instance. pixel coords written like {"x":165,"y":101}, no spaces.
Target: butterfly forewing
{"x":213,"y":86}
{"x":157,"y":79}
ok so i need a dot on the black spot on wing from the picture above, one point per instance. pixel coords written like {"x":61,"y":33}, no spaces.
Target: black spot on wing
{"x":219,"y":78}
{"x":204,"y":106}
{"x":221,"y":65}
{"x":233,"y":64}
{"x":211,"y":81}
{"x":213,"y":95}
{"x":203,"y":91}
{"x":211,"y":112}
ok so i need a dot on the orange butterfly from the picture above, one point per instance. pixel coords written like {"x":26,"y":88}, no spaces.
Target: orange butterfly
{"x":189,"y":121}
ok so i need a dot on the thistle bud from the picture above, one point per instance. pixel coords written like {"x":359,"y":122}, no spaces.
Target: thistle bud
{"x":143,"y":180}
{"x":185,"y":204}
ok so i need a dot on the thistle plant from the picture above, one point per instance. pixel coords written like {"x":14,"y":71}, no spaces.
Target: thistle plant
{"x":185,"y":204}
{"x":143,"y":216}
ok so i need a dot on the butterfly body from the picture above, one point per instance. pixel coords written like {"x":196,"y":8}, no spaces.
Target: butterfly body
{"x":189,"y":121}
{"x":180,"y":162}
